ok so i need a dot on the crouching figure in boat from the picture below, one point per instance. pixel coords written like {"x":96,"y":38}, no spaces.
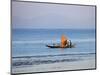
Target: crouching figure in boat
{"x":65,"y":43}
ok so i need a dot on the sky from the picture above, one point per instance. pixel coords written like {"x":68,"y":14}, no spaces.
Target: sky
{"x":52,"y":16}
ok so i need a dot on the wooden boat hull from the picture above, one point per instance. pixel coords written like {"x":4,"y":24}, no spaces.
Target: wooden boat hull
{"x":60,"y":46}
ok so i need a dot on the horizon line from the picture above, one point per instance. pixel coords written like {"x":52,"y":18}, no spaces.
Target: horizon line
{"x":53,"y":28}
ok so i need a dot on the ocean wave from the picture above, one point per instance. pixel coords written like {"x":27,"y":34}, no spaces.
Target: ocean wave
{"x":51,"y":41}
{"x":37,"y":62}
{"x":47,"y":59}
{"x":40,"y":56}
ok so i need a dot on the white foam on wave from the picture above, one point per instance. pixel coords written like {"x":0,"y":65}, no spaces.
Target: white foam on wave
{"x":51,"y":41}
{"x":83,"y":40}
{"x":40,"y":41}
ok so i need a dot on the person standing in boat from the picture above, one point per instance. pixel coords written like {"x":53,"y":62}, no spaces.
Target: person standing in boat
{"x":64,"y":41}
{"x":70,"y":43}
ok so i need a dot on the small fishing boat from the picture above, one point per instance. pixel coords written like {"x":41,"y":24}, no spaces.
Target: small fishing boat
{"x":52,"y":46}
{"x":65,"y":43}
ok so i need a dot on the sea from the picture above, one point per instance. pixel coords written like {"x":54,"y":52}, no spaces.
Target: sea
{"x":29,"y":46}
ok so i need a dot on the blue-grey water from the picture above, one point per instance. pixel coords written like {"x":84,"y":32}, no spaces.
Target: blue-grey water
{"x":28,"y":46}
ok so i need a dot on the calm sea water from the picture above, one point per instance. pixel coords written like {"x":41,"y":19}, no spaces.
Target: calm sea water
{"x":28,"y":46}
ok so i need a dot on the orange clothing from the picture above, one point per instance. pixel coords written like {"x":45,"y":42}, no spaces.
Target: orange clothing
{"x":64,"y":41}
